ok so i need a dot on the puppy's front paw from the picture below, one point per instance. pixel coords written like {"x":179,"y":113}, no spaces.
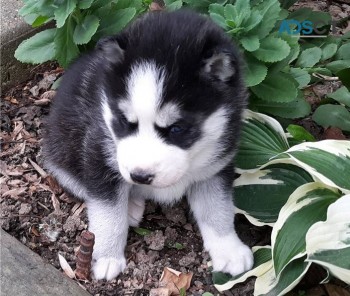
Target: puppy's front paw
{"x":108,"y":268}
{"x":234,"y":261}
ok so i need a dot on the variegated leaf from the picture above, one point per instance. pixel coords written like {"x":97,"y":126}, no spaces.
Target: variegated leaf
{"x":327,"y":161}
{"x":261,"y":195}
{"x":306,"y":206}
{"x":262,"y":138}
{"x":270,"y":285}
{"x":328,"y":242}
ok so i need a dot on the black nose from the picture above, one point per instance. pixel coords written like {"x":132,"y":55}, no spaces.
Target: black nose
{"x":142,"y":177}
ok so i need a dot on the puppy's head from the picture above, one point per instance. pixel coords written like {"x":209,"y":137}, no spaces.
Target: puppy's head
{"x":172,"y":98}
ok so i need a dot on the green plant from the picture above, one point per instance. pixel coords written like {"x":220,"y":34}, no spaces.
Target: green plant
{"x":79,"y":24}
{"x":277,"y":67}
{"x":298,"y":192}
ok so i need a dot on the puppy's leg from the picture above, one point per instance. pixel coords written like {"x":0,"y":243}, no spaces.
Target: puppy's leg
{"x":108,"y":220}
{"x":136,"y":207}
{"x":212,"y":205}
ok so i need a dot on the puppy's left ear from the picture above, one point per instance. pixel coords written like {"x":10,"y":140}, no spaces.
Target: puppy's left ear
{"x":112,"y":48}
{"x":219,"y":65}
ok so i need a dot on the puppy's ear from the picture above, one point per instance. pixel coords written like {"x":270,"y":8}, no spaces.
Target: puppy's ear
{"x":219,"y":64}
{"x":112,"y":48}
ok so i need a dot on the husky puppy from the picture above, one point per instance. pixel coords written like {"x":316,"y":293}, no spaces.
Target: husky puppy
{"x":152,"y":113}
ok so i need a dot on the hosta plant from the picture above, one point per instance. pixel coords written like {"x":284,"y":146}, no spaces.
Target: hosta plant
{"x":303,"y":193}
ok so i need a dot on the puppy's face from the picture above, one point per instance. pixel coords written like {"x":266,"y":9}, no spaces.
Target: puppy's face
{"x":174,"y":114}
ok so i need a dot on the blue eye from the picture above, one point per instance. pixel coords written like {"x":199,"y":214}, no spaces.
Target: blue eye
{"x":176,"y":129}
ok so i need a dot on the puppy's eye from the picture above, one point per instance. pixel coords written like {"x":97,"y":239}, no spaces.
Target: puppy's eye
{"x":176,"y":129}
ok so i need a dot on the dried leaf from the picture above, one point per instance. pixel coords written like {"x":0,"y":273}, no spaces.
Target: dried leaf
{"x":38,"y":168}
{"x":175,"y":280}
{"x":56,"y":204}
{"x":66,"y":267}
{"x":14,"y":193}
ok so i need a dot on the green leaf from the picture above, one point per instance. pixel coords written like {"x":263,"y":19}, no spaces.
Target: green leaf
{"x":272,"y":49}
{"x":269,"y":10}
{"x":63,"y":10}
{"x":262,"y":263}
{"x":296,"y":109}
{"x":276,"y":87}
{"x":337,"y":66}
{"x":237,"y":12}
{"x":86,"y":29}
{"x":344,"y":52}
{"x":301,"y":76}
{"x":84,"y":4}
{"x":299,"y":133}
{"x":276,"y":183}
{"x":219,"y":20}
{"x":344,"y":76}
{"x":121,"y":4}
{"x":217,"y":8}
{"x":287,"y":3}
{"x":269,"y":285}
{"x":328,"y":242}
{"x":250,"y":43}
{"x":203,"y":5}
{"x":37,"y":49}
{"x":262,"y":138}
{"x":66,"y":49}
{"x":40,"y":20}
{"x":252,"y":22}
{"x":319,"y":159}
{"x":114,"y":21}
{"x":254,"y":72}
{"x":309,"y":57}
{"x":329,"y":51}
{"x":173,"y":5}
{"x":142,"y":231}
{"x":341,"y":95}
{"x":306,"y":206}
{"x":332,"y":115}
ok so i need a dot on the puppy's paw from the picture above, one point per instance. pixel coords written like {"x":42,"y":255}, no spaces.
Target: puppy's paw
{"x":108,"y":268}
{"x":234,"y":261}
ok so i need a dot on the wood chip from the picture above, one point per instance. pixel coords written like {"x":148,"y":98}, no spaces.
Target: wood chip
{"x":38,"y":168}
{"x":66,"y":267}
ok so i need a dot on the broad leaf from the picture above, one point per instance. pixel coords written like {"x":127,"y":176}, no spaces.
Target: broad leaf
{"x":344,"y":76}
{"x":86,"y":29}
{"x":84,"y":4}
{"x":254,"y":72}
{"x":337,"y":66}
{"x":269,"y":285}
{"x":272,"y":50}
{"x":332,"y":115}
{"x":295,"y":109}
{"x":301,"y":76}
{"x":275,"y":183}
{"x":309,"y":57}
{"x":341,"y":95}
{"x":63,"y":10}
{"x":262,"y":138}
{"x":66,"y":49}
{"x":250,"y":43}
{"x":114,"y":21}
{"x":328,"y":242}
{"x":344,"y":52}
{"x":39,"y":48}
{"x":299,"y":133}
{"x":277,"y":87}
{"x":327,"y":161}
{"x":328,"y":51}
{"x":306,"y":206}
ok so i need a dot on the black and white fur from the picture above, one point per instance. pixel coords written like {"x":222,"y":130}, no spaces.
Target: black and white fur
{"x":152,"y":113}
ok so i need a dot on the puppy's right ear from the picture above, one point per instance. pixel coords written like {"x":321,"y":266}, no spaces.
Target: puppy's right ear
{"x":112,"y":48}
